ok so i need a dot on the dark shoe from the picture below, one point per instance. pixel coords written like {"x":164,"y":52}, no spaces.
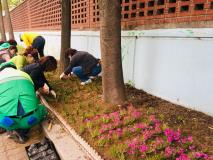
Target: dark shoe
{"x":18,"y":138}
{"x":2,"y":130}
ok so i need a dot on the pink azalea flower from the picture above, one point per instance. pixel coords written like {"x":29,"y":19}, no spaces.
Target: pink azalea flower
{"x":158,"y":142}
{"x":96,"y":117}
{"x":87,"y":120}
{"x":102,"y":137}
{"x":106,"y":116}
{"x":136,"y":114}
{"x":172,"y":135}
{"x":189,"y":139}
{"x":158,"y":130}
{"x":131,"y":152}
{"x":147,"y":135}
{"x":101,"y":130}
{"x":199,"y":155}
{"x":132,"y":129}
{"x":153,"y":119}
{"x":140,"y":125}
{"x":191,"y":147}
{"x":169,"y":151}
{"x":143,"y":148}
{"x":117,"y":122}
{"x":119,"y":132}
{"x":115,"y":114}
{"x":111,"y":132}
{"x":183,"y":157}
{"x":181,"y":151}
{"x":132,"y":145}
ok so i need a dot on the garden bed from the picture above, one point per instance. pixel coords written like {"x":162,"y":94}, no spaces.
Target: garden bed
{"x":146,"y":127}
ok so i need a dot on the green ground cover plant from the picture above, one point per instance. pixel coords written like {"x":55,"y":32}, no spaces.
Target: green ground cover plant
{"x":146,"y":127}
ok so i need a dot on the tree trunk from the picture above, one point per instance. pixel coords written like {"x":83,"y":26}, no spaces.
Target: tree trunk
{"x":110,"y":34}
{"x":65,"y":32}
{"x":8,"y":19}
{"x":3,"y":36}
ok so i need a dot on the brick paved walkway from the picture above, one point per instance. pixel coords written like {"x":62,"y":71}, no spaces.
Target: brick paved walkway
{"x":10,"y":150}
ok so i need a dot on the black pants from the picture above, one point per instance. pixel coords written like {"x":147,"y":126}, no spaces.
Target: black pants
{"x":39,"y":43}
{"x":23,"y":133}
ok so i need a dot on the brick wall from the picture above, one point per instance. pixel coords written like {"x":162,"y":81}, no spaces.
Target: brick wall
{"x":46,"y":14}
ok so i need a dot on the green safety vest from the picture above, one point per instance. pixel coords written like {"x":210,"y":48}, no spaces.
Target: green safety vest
{"x":17,"y":87}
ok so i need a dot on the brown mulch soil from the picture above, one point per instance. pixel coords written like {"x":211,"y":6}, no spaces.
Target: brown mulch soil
{"x":191,"y":122}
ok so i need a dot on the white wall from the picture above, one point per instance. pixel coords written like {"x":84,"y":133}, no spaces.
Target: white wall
{"x":174,"y":64}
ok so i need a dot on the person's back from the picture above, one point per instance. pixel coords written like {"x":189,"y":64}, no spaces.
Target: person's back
{"x":31,"y":68}
{"x":19,"y":61}
{"x":28,"y":38}
{"x":83,"y":59}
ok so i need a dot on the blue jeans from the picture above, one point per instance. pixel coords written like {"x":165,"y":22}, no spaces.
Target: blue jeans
{"x":79,"y":73}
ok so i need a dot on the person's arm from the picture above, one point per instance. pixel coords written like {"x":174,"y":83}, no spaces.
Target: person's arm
{"x":38,"y":81}
{"x":19,"y":61}
{"x":43,"y":78}
{"x":73,"y":62}
{"x":67,"y":71}
{"x":47,"y":86}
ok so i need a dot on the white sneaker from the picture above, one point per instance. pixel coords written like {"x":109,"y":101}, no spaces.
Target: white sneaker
{"x":92,"y":77}
{"x":86,"y":82}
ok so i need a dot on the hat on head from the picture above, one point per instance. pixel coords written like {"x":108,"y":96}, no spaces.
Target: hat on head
{"x":4,"y":46}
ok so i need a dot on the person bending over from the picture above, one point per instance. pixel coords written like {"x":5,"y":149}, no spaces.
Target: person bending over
{"x":82,"y":64}
{"x":20,"y":109}
{"x":34,"y":40}
{"x":36,"y":71}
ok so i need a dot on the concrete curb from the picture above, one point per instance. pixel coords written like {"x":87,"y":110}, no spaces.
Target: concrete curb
{"x":83,"y":144}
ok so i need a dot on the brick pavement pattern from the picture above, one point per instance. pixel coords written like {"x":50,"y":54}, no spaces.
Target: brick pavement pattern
{"x":10,"y":150}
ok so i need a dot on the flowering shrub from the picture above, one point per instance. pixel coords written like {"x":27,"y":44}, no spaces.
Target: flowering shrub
{"x":143,"y":136}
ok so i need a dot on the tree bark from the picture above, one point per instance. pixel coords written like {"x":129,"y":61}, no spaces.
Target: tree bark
{"x":8,"y":19}
{"x":110,"y":34}
{"x":65,"y":32}
{"x":2,"y":30}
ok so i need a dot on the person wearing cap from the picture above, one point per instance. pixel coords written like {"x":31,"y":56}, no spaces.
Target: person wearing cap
{"x":84,"y":65}
{"x":7,"y":51}
{"x":34,"y":40}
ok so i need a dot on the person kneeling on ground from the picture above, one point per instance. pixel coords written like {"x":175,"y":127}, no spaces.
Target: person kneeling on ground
{"x":82,"y":64}
{"x":19,"y":107}
{"x":36,"y":71}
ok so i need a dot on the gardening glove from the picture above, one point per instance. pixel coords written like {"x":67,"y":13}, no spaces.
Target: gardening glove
{"x":37,"y":93}
{"x":62,"y":76}
{"x":46,"y":89}
{"x":52,"y":92}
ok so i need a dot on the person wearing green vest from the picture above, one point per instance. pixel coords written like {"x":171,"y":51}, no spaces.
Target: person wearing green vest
{"x":20,"y":108}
